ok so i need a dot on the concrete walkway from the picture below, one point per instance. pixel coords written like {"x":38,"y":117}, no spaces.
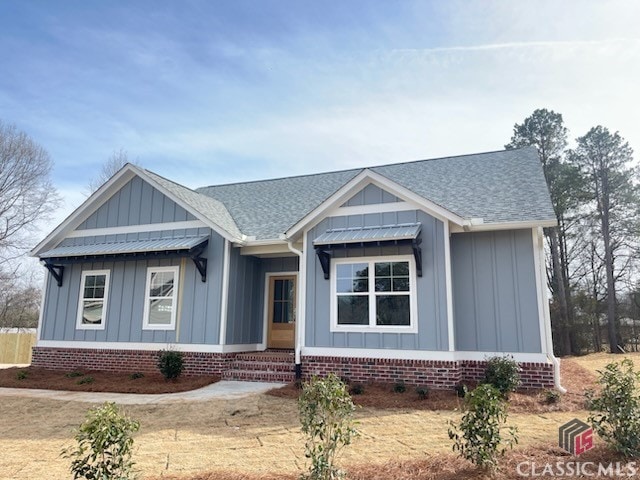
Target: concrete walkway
{"x":224,"y":389}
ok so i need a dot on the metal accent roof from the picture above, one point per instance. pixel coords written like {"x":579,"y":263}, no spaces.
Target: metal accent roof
{"x":404,"y":231}
{"x":138,"y":246}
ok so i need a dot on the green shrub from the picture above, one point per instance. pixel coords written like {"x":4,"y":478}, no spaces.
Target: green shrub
{"x":503,"y":373}
{"x":85,"y":380}
{"x":136,"y":375}
{"x":423,"y":392}
{"x":615,"y":411}
{"x":479,"y":436}
{"x":170,"y":363}
{"x":356,"y":389}
{"x":104,"y":444}
{"x":22,"y":375}
{"x":74,"y":374}
{"x":326,"y":415}
{"x":551,"y":396}
{"x":399,"y":387}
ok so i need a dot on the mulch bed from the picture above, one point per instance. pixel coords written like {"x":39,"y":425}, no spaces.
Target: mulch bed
{"x":575,"y":379}
{"x":96,"y":381}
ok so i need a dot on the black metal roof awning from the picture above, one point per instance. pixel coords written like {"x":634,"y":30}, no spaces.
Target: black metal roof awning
{"x":191,"y":247}
{"x":363,"y":237}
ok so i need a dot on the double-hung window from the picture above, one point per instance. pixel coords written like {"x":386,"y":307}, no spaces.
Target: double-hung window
{"x":374,"y":294}
{"x":92,"y":306}
{"x":161,"y":298}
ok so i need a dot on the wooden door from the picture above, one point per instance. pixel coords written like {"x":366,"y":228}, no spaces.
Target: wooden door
{"x":282,"y":311}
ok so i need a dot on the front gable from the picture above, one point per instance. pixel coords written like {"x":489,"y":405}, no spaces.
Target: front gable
{"x":371,"y":195}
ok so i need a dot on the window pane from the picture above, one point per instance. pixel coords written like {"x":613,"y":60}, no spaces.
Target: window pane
{"x":92,"y":312}
{"x":278,"y":293}
{"x":353,"y":310}
{"x":360,"y":270}
{"x":400,"y":269}
{"x":392,"y":310}
{"x":361,"y":285}
{"x":100,"y":280}
{"x":160,"y":312}
{"x":383,"y":269}
{"x":401,"y":284}
{"x":344,"y":285}
{"x":161,"y":284}
{"x":383,"y":284}
{"x":277,"y":312}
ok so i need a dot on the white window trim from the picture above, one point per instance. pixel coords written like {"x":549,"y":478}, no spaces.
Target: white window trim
{"x":176,"y":276}
{"x":105,"y":300}
{"x":413,"y":298}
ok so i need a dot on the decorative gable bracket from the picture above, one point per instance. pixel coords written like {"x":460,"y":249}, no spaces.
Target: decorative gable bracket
{"x":57,"y":271}
{"x":199,"y":261}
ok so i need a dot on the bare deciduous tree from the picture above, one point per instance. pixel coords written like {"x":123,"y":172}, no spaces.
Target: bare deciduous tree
{"x":117,"y":160}
{"x":26,"y":192}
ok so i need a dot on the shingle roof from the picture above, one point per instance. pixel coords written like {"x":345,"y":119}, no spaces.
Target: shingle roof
{"x":501,"y":186}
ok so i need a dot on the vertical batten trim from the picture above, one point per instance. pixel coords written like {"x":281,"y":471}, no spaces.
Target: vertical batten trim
{"x":544,"y":347}
{"x":45,"y":287}
{"x":224,"y":298}
{"x":449,"y":286}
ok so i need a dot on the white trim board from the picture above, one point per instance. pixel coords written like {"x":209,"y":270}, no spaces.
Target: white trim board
{"x":418,"y":354}
{"x":180,"y":347}
{"x":143,"y":228}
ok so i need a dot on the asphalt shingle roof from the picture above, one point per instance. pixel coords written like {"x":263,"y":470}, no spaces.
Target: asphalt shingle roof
{"x":501,"y":186}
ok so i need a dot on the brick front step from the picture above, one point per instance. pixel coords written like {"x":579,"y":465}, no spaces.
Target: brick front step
{"x":270,"y":357}
{"x":259,"y":376}
{"x":263,"y":366}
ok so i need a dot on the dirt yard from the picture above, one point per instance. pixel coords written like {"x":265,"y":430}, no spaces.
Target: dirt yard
{"x":256,"y":435}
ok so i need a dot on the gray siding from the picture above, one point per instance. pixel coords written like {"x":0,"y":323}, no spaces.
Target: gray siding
{"x":494,"y":292}
{"x":137,"y":203}
{"x":371,"y":195}
{"x":246,"y":294}
{"x":431,"y":288}
{"x":198,"y":318}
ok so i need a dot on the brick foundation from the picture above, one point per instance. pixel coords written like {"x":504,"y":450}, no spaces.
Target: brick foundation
{"x":433,"y":373}
{"x":144,"y":361}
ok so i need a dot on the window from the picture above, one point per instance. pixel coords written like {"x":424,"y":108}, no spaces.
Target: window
{"x":161,"y":298}
{"x":374,"y":293}
{"x":92,"y":307}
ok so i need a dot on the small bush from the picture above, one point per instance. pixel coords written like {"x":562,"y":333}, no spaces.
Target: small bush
{"x":326,"y":414}
{"x":615,"y":412}
{"x":356,"y":389}
{"x":503,"y":373}
{"x":85,"y":380}
{"x":423,"y":392}
{"x":479,"y":436}
{"x":551,"y":397}
{"x":104,"y":444}
{"x":74,"y":374}
{"x":136,"y":375}
{"x":461,"y":390}
{"x":22,"y":375}
{"x":170,"y":363}
{"x":399,"y":387}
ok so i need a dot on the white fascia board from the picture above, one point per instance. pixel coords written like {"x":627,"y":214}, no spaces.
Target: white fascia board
{"x":84,"y":211}
{"x":486,"y":227}
{"x":361,"y":180}
{"x":214,"y":226}
{"x":428,"y":355}
{"x":180,"y":347}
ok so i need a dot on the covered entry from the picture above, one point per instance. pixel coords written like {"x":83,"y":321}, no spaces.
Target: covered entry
{"x":280,"y":312}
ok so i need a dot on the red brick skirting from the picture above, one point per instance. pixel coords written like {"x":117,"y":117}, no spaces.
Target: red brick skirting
{"x":144,"y":361}
{"x":432,"y":373}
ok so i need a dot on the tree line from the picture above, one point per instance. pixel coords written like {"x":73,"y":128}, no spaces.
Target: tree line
{"x":592,"y":260}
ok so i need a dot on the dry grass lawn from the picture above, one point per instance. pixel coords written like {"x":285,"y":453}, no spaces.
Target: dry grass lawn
{"x":258,"y":436}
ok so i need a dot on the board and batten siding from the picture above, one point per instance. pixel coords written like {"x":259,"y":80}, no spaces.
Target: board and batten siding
{"x":198,"y":319}
{"x":430,"y":288}
{"x":494,"y":292}
{"x":246,"y":294}
{"x":136,"y":203}
{"x":371,"y":195}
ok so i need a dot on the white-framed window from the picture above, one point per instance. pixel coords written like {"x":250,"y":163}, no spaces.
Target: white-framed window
{"x":92,"y":305}
{"x":161,"y":298}
{"x":374,"y":294}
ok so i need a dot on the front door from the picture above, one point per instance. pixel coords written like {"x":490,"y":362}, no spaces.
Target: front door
{"x":281,"y":313}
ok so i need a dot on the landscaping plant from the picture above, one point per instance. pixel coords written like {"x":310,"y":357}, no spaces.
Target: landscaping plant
{"x":503,"y":373}
{"x":615,"y":411}
{"x":480,"y":436}
{"x":170,"y":363}
{"x":104,"y":445}
{"x":326,"y":413}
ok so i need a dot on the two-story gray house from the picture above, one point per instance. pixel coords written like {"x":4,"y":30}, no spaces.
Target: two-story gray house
{"x":417,"y":271}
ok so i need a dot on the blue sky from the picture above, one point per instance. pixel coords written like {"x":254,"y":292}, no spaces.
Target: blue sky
{"x":208,"y":92}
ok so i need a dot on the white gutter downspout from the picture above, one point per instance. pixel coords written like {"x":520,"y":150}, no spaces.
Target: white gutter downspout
{"x":547,"y":317}
{"x":224,"y":296}
{"x":300,"y":301}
